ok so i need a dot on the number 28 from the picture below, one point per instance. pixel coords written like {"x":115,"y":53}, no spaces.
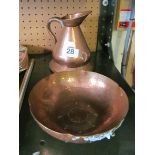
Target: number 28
{"x":70,"y":50}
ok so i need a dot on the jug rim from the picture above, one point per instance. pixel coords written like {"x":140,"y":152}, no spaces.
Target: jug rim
{"x":76,"y":15}
{"x":75,"y":19}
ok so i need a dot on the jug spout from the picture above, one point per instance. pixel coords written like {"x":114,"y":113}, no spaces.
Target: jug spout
{"x":76,"y":19}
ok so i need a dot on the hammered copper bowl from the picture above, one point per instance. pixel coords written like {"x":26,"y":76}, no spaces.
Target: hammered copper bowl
{"x":78,"y":106}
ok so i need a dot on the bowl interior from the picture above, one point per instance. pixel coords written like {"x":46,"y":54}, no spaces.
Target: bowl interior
{"x":78,"y":102}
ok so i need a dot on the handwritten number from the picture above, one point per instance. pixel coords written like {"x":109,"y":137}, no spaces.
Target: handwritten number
{"x":70,"y":50}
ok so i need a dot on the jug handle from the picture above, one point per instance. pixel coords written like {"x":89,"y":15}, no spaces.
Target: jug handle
{"x":56,"y":19}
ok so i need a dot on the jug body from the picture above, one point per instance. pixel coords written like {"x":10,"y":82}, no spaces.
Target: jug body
{"x":71,"y":48}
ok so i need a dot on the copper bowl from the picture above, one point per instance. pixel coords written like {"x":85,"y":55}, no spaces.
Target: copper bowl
{"x":78,"y":106}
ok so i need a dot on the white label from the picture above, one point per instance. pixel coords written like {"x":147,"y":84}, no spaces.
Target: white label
{"x":70,"y":50}
{"x":36,"y":153}
{"x":124,"y":16}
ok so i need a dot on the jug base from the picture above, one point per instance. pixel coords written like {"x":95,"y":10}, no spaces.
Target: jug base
{"x":55,"y":67}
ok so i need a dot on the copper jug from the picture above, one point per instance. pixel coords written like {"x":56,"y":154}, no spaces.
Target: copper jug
{"x":71,"y":50}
